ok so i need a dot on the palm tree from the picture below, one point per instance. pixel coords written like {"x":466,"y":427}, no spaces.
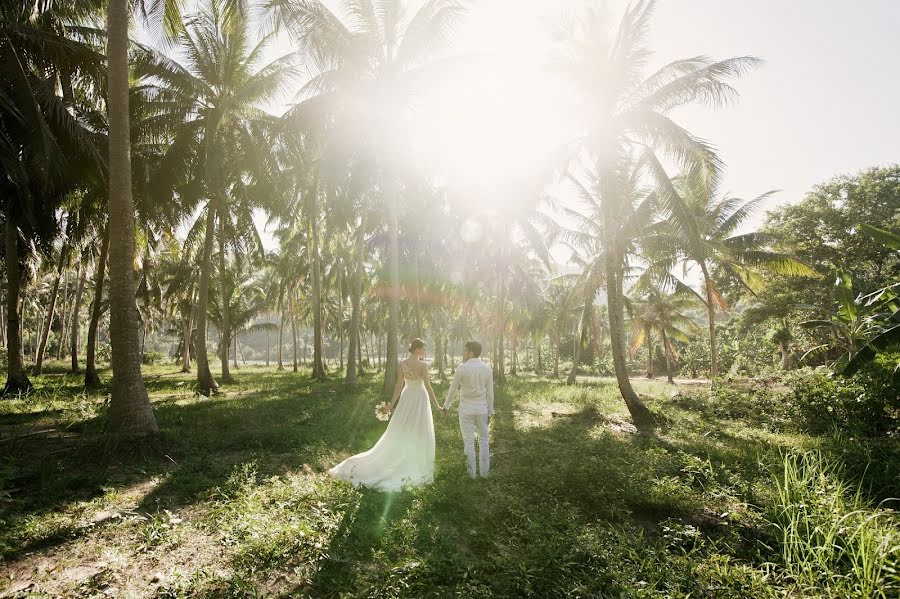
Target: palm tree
{"x":369,"y":65}
{"x":215,"y":95}
{"x":45,"y":148}
{"x":627,"y":114}
{"x":615,"y":217}
{"x":708,"y":238}
{"x":655,"y":310}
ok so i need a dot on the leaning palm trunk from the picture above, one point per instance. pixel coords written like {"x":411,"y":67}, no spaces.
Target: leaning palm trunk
{"x":51,"y":312}
{"x":353,"y":361}
{"x":393,"y":324}
{"x":129,"y":408}
{"x":642,"y":417}
{"x":76,"y":318}
{"x":91,"y":378}
{"x":16,"y":378}
{"x":205,"y":381}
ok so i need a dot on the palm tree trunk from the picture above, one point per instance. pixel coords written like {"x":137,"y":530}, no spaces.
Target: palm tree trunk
{"x":267,"y":343}
{"x":597,"y":339}
{"x":16,"y":378}
{"x":667,"y":348}
{"x":186,"y":342}
{"x":36,"y":337}
{"x":648,"y":332}
{"x":294,"y":330}
{"x":206,"y":384}
{"x":420,"y":327}
{"x":556,"y":350}
{"x":51,"y":312}
{"x":785,"y":345}
{"x":711,"y":311}
{"x":578,"y":341}
{"x":500,"y":370}
{"x":514,"y":343}
{"x":91,"y":378}
{"x":225,"y":333}
{"x":640,"y":415}
{"x":281,"y":340}
{"x":234,"y":348}
{"x":61,"y":345}
{"x":76,"y":318}
{"x":129,"y":407}
{"x":354,"y":362}
{"x":318,"y":366}
{"x":393,"y":324}
{"x":359,"y":355}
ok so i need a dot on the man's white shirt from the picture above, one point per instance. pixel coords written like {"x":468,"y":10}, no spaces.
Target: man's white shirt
{"x":474,"y":380}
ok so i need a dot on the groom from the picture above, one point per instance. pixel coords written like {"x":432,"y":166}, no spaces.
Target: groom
{"x":474,"y":381}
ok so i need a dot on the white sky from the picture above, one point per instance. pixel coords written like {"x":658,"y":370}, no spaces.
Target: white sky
{"x":825,"y":103}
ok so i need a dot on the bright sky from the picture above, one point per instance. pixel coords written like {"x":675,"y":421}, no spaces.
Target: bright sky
{"x":824,"y":103}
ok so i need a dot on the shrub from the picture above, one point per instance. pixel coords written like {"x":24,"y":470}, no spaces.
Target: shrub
{"x":868,"y":403}
{"x":152,"y":357}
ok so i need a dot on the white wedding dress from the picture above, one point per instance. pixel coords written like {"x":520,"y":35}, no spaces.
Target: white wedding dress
{"x":404,"y":455}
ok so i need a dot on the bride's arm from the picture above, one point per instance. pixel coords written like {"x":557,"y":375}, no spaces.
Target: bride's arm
{"x":431,"y":394}
{"x":397,"y":388}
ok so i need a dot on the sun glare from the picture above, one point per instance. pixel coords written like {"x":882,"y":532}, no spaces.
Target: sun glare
{"x":492,"y":119}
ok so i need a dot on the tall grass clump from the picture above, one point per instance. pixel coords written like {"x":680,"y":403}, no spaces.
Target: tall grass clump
{"x":831,"y":540}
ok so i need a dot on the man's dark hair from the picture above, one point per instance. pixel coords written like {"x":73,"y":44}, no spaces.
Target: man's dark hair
{"x":474,"y":348}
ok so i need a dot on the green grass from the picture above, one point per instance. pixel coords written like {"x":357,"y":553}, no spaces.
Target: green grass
{"x":234,"y":501}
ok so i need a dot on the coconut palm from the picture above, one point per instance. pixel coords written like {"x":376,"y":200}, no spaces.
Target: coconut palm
{"x":708,"y":238}
{"x":215,"y":94}
{"x":369,"y":63}
{"x":654,"y":310}
{"x":626,"y":113}
{"x":46,"y":150}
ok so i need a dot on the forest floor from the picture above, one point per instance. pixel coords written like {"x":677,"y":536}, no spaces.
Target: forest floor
{"x":234,"y":501}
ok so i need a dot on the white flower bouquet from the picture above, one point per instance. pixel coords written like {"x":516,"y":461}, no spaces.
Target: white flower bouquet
{"x":383,"y":411}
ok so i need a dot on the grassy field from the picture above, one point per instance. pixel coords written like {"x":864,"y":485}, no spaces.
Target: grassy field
{"x":234,"y":501}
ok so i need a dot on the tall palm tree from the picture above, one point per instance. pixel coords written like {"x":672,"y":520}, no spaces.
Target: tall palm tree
{"x":614,"y":218}
{"x":216,"y":95}
{"x":708,"y":238}
{"x":625,"y":114}
{"x":368,"y":66}
{"x":46,"y":149}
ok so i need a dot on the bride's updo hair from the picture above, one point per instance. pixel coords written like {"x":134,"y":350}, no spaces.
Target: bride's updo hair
{"x":416,"y":344}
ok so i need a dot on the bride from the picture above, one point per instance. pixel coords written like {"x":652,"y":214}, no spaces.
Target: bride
{"x":404,"y":455}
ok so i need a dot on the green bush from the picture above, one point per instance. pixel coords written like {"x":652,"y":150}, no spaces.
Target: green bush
{"x":153,"y":357}
{"x":868,"y":403}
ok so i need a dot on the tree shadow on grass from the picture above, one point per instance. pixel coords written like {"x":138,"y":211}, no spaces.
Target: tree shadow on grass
{"x":283,"y":426}
{"x":549,"y":484}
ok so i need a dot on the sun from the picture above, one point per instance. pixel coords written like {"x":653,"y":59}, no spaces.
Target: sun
{"x":494,"y":116}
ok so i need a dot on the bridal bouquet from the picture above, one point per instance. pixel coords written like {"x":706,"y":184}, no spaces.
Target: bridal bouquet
{"x":383,"y":411}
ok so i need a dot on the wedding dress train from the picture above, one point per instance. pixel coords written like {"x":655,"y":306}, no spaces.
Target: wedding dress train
{"x":404,"y":455}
